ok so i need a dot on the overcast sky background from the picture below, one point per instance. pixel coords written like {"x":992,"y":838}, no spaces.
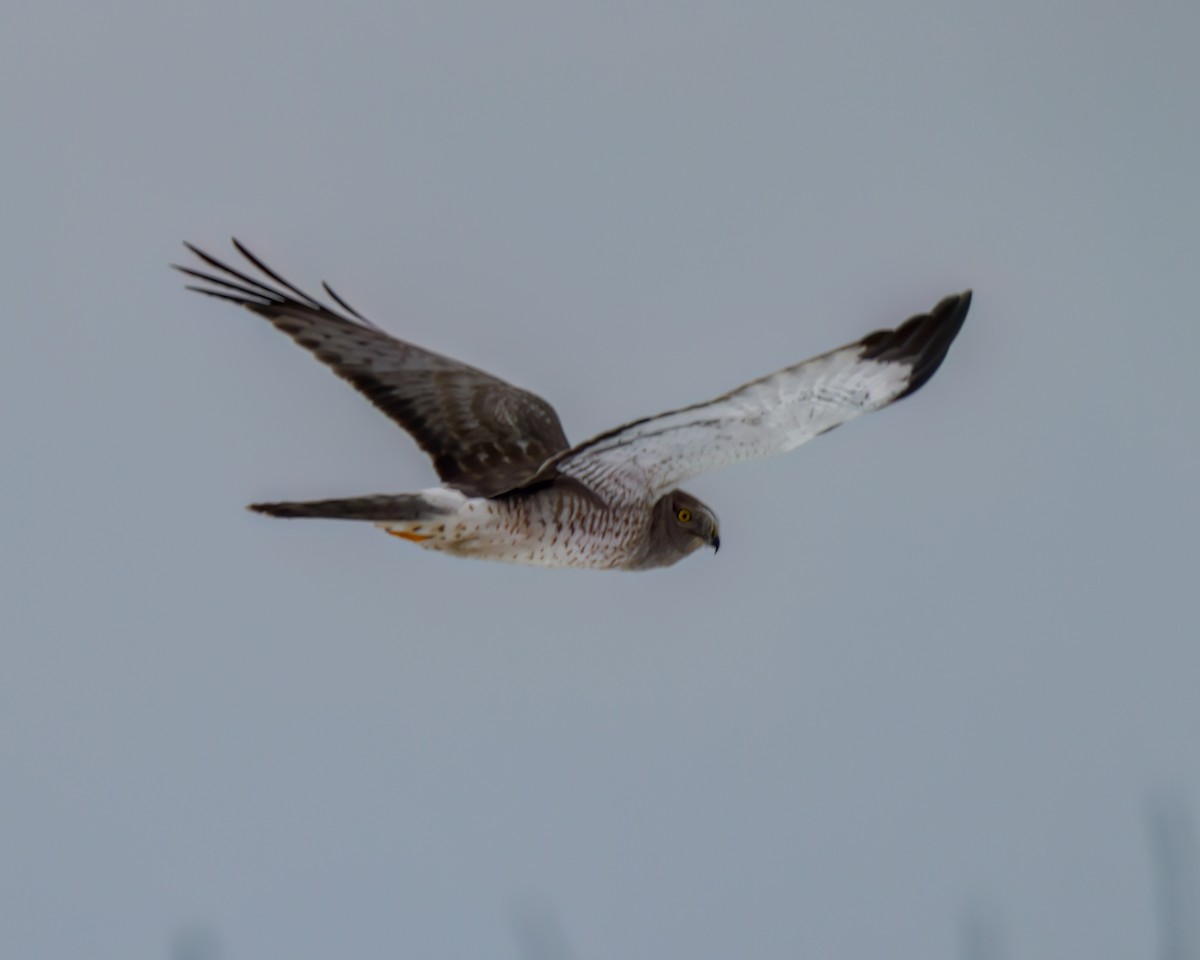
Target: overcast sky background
{"x":947,"y":657}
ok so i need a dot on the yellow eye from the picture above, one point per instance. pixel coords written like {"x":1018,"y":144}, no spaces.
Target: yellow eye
{"x":684,"y":515}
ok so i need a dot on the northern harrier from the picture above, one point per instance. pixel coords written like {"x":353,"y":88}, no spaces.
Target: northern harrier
{"x":515,"y":489}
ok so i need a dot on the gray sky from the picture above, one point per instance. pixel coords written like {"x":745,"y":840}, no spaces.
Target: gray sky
{"x":946,"y":655}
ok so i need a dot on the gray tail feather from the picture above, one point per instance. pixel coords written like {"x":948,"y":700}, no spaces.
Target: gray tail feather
{"x":398,"y":506}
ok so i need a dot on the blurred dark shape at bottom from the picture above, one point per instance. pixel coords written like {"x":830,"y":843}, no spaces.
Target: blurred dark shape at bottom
{"x":981,"y":935}
{"x":539,"y":933}
{"x":1176,"y":864}
{"x":1174,"y":854}
{"x":196,"y":942}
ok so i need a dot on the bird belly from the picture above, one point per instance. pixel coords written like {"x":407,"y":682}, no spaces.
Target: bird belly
{"x":533,"y":530}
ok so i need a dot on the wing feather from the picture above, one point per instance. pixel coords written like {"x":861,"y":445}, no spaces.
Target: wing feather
{"x":485,"y":436}
{"x":642,"y":460}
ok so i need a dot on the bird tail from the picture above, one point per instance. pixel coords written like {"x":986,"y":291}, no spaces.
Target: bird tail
{"x":377,"y":508}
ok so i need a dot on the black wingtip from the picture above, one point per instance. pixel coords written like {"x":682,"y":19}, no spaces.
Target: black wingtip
{"x":251,"y":292}
{"x":921,"y":342}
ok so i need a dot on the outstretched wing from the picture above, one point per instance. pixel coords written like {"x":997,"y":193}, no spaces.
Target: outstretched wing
{"x":644,"y":459}
{"x":485,"y":436}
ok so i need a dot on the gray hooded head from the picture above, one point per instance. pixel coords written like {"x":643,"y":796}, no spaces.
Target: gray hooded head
{"x":679,"y":525}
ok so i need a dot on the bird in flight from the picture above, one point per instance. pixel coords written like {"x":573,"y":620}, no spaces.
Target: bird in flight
{"x":514,"y":488}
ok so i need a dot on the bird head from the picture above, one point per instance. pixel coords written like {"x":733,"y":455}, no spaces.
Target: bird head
{"x":681,"y":525}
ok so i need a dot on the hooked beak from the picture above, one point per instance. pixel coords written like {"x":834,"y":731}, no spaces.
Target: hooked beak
{"x":715,"y":542}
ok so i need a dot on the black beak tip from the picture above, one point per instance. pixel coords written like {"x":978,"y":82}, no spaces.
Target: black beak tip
{"x":716,"y":543}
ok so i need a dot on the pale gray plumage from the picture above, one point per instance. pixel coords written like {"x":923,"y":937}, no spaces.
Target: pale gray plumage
{"x":515,"y":490}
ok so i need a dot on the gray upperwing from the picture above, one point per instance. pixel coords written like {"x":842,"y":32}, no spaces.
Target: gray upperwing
{"x":485,"y":436}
